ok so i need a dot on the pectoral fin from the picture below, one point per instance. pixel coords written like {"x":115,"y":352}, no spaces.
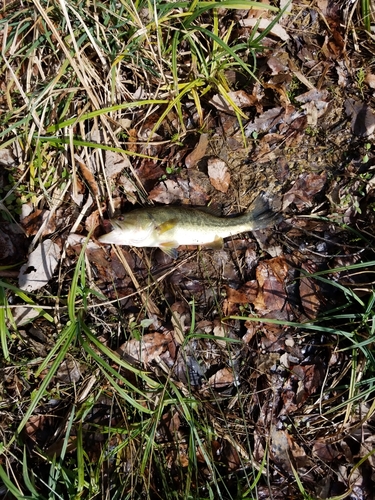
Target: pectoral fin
{"x":170,"y":249}
{"x":166,"y":226}
{"x":217,"y":244}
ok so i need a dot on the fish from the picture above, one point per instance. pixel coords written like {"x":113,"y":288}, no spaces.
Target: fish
{"x":169,"y":227}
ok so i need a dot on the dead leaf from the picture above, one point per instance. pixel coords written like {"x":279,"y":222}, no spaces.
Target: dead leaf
{"x":310,"y":292}
{"x":13,"y":244}
{"x":325,"y":451}
{"x":271,"y":295}
{"x":36,"y":219}
{"x":220,"y":330}
{"x":310,"y":380}
{"x":128,"y":187}
{"x":200,"y":188}
{"x":278,"y":63}
{"x":187,"y":368}
{"x":40,"y":266}
{"x":280,"y":451}
{"x":230,"y":456}
{"x":7,"y":158}
{"x":306,"y":187}
{"x":222,"y":378}
{"x":115,"y":163}
{"x":170,"y":191}
{"x":277,"y":30}
{"x":149,"y":348}
{"x":239,"y":97}
{"x":198,"y":152}
{"x":218,"y":174}
{"x":370,"y":80}
{"x":266,"y":121}
{"x":23,"y":315}
{"x":34,"y":425}
{"x":180,"y":320}
{"x":69,"y":371}
{"x":87,"y":175}
{"x":244,"y":295}
{"x":363,"y":117}
{"x":92,"y":221}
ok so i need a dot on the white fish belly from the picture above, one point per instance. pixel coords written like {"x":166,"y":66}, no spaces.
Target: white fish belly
{"x":199,"y":236}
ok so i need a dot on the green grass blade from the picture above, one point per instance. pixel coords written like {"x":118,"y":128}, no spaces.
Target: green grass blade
{"x":4,"y":332}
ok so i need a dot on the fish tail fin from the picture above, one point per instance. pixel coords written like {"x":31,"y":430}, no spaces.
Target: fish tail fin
{"x":262,"y":214}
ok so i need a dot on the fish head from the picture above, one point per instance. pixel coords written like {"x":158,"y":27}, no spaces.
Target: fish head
{"x":134,"y":229}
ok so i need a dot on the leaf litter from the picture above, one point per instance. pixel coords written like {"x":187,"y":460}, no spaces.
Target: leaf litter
{"x":305,"y":149}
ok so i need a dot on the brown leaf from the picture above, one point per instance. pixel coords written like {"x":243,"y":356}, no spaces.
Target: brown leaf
{"x":304,"y":190}
{"x":198,"y":152}
{"x":280,"y":448}
{"x":240,"y":98}
{"x":222,"y":378}
{"x":149,"y":172}
{"x":69,"y":371}
{"x":34,"y":425}
{"x":181,"y":319}
{"x":278,"y":63}
{"x":34,"y":221}
{"x":220,"y":330}
{"x":169,"y":192}
{"x":7,"y":158}
{"x":200,"y":188}
{"x":40,"y":266}
{"x":310,"y":292}
{"x":149,"y":348}
{"x":92,"y":221}
{"x":87,"y":175}
{"x":325,"y":451}
{"x":363,"y":117}
{"x":230,"y":456}
{"x":265,"y":121}
{"x":310,"y":380}
{"x":370,"y":80}
{"x":244,"y":295}
{"x":271,"y":294}
{"x":218,"y":174}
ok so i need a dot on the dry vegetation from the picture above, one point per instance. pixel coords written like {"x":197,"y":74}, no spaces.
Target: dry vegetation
{"x":239,"y":373}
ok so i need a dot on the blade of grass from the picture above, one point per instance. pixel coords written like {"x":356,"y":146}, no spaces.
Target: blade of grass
{"x":4,"y":332}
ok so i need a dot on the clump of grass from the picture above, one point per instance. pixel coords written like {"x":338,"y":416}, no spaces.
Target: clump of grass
{"x":70,"y":70}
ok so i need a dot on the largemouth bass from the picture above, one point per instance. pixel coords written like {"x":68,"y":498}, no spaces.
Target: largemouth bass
{"x":169,"y":227}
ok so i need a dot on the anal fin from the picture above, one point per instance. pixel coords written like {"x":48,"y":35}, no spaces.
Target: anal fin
{"x":170,"y":248}
{"x":217,"y":244}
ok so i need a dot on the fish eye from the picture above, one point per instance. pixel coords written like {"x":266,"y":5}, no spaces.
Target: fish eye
{"x":120,"y":218}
